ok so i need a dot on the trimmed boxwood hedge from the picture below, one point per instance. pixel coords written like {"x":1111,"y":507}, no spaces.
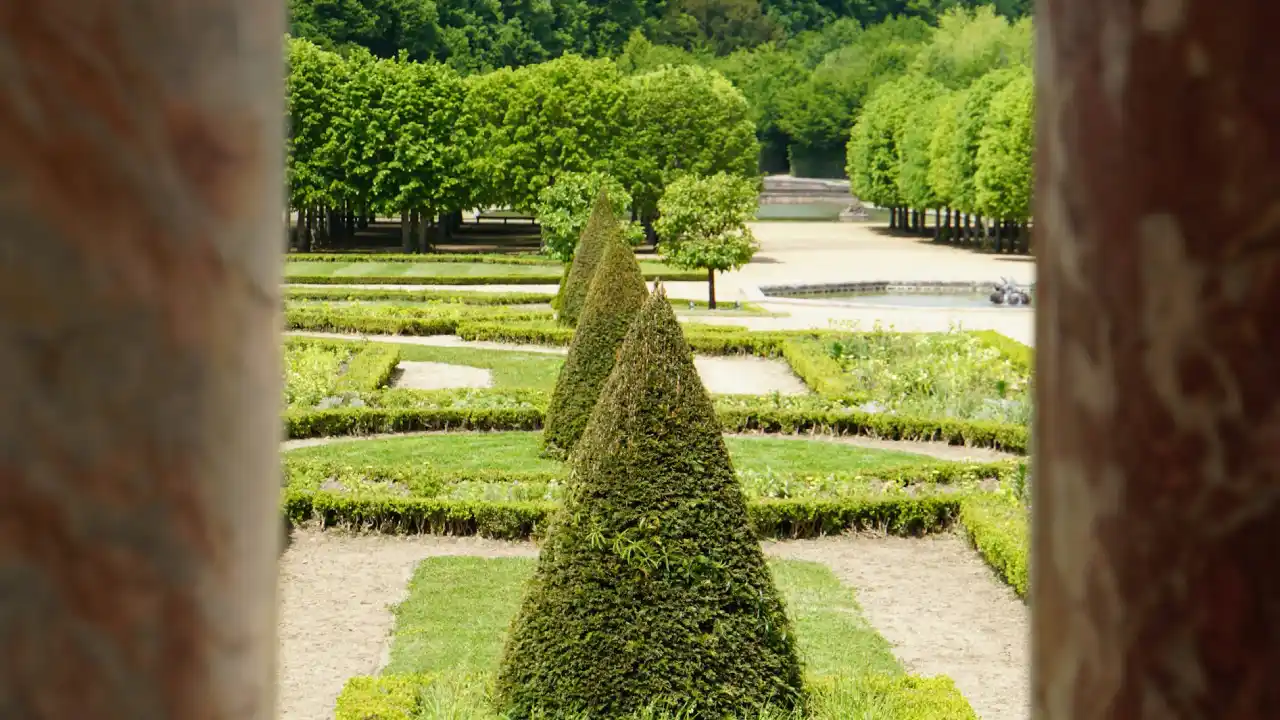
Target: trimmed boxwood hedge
{"x":486,"y":258}
{"x":464,"y":297}
{"x":999,"y":527}
{"x":895,"y":697}
{"x":370,"y":420}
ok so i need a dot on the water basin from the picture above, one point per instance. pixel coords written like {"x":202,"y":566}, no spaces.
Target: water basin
{"x":959,"y":301}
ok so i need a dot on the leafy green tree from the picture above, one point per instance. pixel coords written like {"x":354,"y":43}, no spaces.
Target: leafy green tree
{"x":617,"y":291}
{"x":765,"y":75}
{"x":538,"y":122}
{"x":1004,"y":176}
{"x":943,"y":176}
{"x":640,"y":55}
{"x":651,"y":590}
{"x":564,"y":208}
{"x":718,"y":26}
{"x":971,"y":43}
{"x":427,"y":170}
{"x":972,"y":119}
{"x":684,"y":120}
{"x":356,"y":142}
{"x":702,"y":223}
{"x":310,"y":90}
{"x":919,"y":123}
{"x":819,"y":113}
{"x":600,"y":227}
{"x":875,"y":153}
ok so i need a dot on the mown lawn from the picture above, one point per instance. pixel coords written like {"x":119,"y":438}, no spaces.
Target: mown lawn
{"x":520,"y":452}
{"x":452,"y":626}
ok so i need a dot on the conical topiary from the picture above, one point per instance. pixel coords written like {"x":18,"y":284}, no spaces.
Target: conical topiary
{"x":616,"y":295}
{"x":651,"y":589}
{"x":573,"y":293}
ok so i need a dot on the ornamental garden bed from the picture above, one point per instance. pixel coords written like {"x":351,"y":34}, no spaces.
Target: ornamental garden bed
{"x":449,"y":634}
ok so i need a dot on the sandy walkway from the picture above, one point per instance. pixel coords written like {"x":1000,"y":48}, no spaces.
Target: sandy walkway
{"x":421,"y":375}
{"x":745,"y":375}
{"x":941,"y":608}
{"x":336,"y":593}
{"x":932,"y":598}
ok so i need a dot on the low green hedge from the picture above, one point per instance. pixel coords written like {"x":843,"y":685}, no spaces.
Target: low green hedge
{"x":381,"y":420}
{"x":810,"y":361}
{"x":879,"y":696}
{"x":465,"y":297}
{"x":999,"y":528}
{"x":486,"y":258}
{"x":405,"y":321}
{"x":551,"y":278}
{"x":1020,"y":355}
{"x":370,"y":369}
{"x":382,"y":697}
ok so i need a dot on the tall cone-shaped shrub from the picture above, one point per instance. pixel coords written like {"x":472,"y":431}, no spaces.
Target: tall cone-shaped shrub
{"x":651,"y":589}
{"x":616,"y":295}
{"x":573,"y":293}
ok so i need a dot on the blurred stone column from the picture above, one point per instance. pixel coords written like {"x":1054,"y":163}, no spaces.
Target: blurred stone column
{"x":1156,"y":585}
{"x":140,"y":205}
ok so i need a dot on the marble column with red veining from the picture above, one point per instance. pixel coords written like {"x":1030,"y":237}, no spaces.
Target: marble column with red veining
{"x":1156,"y":561}
{"x":140,"y":234}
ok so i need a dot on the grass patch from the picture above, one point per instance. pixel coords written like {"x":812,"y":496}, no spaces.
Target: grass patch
{"x":451,"y":628}
{"x":520,"y":452}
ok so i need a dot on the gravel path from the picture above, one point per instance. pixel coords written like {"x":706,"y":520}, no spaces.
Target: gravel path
{"x":422,"y":375}
{"x":745,"y":375}
{"x":932,"y":598}
{"x":941,"y":608}
{"x":336,"y":594}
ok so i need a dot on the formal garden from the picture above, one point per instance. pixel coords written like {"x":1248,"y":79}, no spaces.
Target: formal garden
{"x":586,"y":499}
{"x":578,"y":425}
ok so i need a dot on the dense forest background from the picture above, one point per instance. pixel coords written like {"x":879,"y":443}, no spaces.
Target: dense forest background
{"x":805,"y":66}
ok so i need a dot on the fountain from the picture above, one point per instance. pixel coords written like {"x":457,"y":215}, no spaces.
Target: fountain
{"x":1007,"y":292}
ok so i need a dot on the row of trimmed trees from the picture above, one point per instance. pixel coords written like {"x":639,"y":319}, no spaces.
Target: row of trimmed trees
{"x":372,"y":136}
{"x":965,"y":153}
{"x":653,"y":537}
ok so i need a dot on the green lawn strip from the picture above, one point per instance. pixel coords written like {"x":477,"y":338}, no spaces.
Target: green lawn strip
{"x":520,"y":452}
{"x":534,"y":301}
{"x":451,"y":628}
{"x":509,"y":369}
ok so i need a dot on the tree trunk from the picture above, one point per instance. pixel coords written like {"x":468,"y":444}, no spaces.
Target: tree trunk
{"x":300,"y":228}
{"x":140,"y":355}
{"x":406,"y":232}
{"x":711,"y":289}
{"x":949,"y":233}
{"x":424,"y":222}
{"x":1156,"y":515}
{"x":304,"y":242}
{"x":350,"y":222}
{"x":893,"y":218}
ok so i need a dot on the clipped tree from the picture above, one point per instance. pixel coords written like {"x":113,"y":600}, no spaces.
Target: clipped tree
{"x":616,"y":294}
{"x":876,"y":145}
{"x":564,"y":208}
{"x":702,"y":223}
{"x":942,"y":174}
{"x":1004,"y":177}
{"x":311,"y":87}
{"x":576,"y":283}
{"x":963,"y":164}
{"x":651,"y":589}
